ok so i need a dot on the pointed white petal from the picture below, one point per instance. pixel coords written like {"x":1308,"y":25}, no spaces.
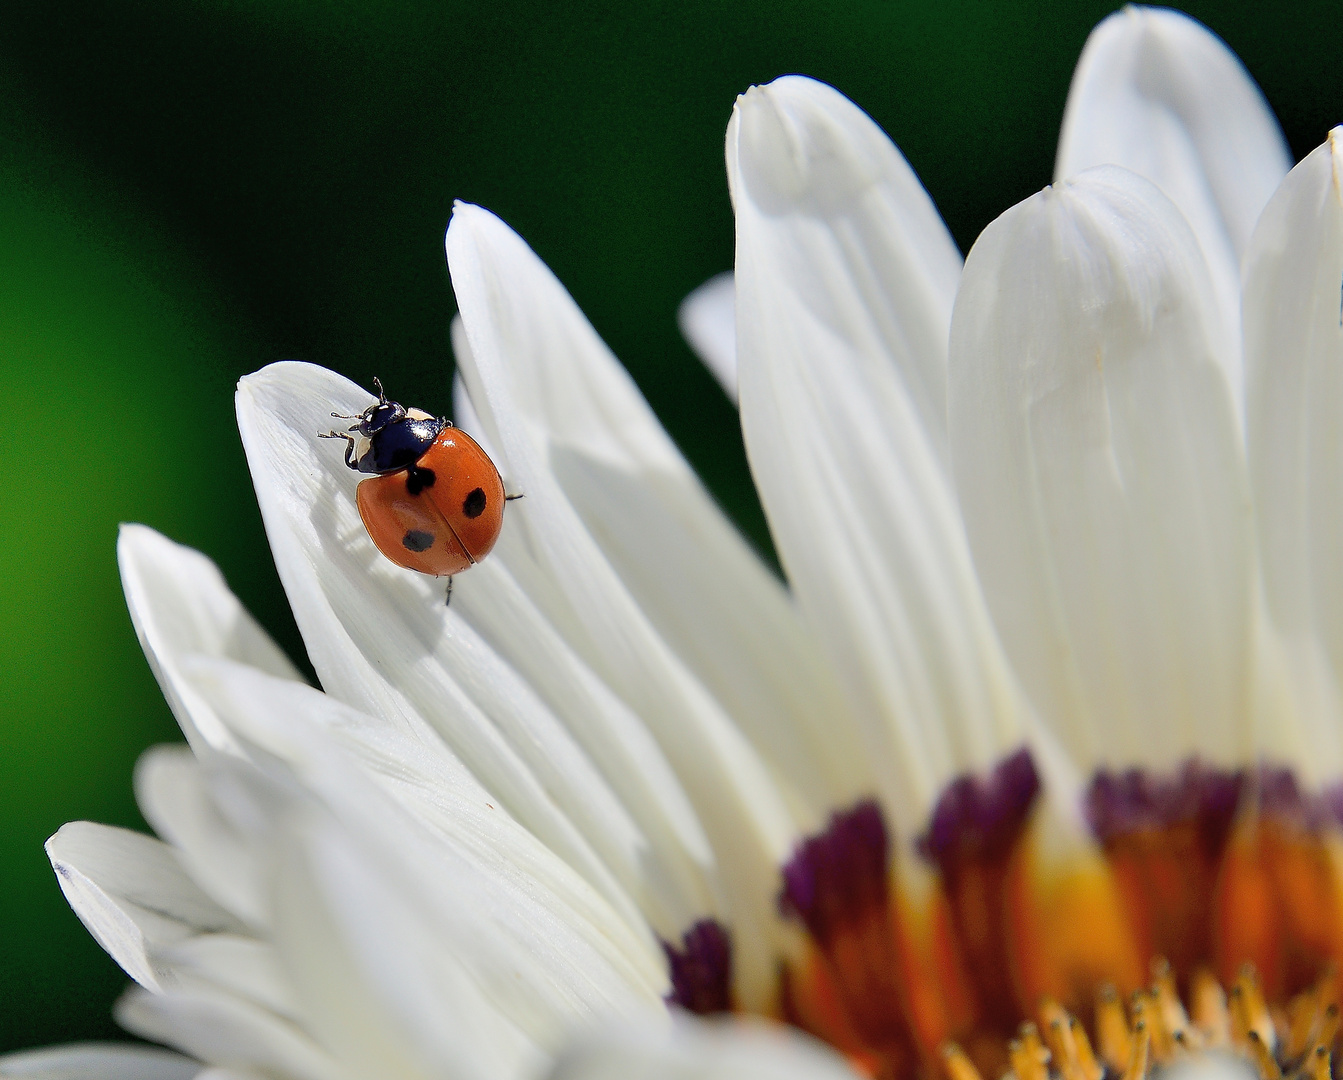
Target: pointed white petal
{"x":568,"y":413}
{"x":699,"y":1050}
{"x":179,"y":604}
{"x":708,"y":596}
{"x":845,"y":279}
{"x":98,"y":1061}
{"x":1099,"y":467}
{"x":708,"y":322}
{"x":382,"y":640}
{"x":864,"y":243}
{"x":1293,"y":342}
{"x":1160,"y":94}
{"x":131,"y":893}
{"x":222,"y":1029}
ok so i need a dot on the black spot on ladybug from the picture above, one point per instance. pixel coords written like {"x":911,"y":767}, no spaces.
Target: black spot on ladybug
{"x":418,"y":479}
{"x":474,"y":503}
{"x":418,"y":540}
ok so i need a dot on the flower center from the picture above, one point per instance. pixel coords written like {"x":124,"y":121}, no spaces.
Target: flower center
{"x":1208,"y":918}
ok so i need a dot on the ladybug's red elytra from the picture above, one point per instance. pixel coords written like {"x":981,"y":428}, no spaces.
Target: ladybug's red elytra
{"x":434,"y":502}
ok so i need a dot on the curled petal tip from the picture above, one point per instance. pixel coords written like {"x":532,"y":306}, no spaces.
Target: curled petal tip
{"x":803,"y":146}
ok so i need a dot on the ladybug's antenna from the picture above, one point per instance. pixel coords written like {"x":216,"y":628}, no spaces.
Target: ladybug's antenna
{"x":382,"y":400}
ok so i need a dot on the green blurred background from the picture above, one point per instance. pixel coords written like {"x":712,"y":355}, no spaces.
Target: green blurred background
{"x":190,"y":190}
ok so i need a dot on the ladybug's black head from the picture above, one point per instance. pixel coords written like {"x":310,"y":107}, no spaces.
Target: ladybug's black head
{"x":376,"y":417}
{"x":391,"y":437}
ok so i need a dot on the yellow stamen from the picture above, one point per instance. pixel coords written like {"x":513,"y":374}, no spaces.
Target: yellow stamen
{"x":1030,"y":1058}
{"x":1145,"y":1011}
{"x":1061,"y":1033}
{"x":1319,"y":1065}
{"x":957,"y":1064}
{"x":1313,"y":1016}
{"x":1211,"y":1015}
{"x":1263,"y":1058}
{"x":1303,"y":1015}
{"x":1330,"y":1024}
{"x":1090,"y":1068}
{"x":1139,"y":1044}
{"x":1112,"y":1033}
{"x":1328,"y":1029}
{"x":1168,"y":1004}
{"x":1249,"y":1013}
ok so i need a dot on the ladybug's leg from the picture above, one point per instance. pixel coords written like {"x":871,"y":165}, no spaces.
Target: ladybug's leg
{"x":447,"y":600}
{"x":350,"y":445}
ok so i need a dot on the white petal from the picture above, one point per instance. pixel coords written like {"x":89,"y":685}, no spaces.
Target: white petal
{"x":179,"y":604}
{"x":383,"y":986}
{"x":473,"y":862}
{"x":382,"y":641}
{"x":98,"y":1061}
{"x":865,"y":245}
{"x":464,"y":413}
{"x":675,"y":888}
{"x":698,"y":1050}
{"x":131,"y":893}
{"x":221,"y":1029}
{"x":514,"y":313}
{"x":706,"y":593}
{"x":845,"y":280}
{"x":436,"y":926}
{"x":1099,"y":468}
{"x":241,"y":965}
{"x":1293,"y":345}
{"x":229,"y":1074}
{"x":269,"y":718}
{"x":708,"y":322}
{"x":173,"y":792}
{"x":1160,"y":94}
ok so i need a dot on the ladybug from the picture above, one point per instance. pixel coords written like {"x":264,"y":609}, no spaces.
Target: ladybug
{"x":434,"y":501}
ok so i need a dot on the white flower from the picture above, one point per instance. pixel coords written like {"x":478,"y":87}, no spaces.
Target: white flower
{"x":1053,"y":689}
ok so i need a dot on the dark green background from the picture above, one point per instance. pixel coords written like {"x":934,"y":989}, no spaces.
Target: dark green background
{"x":190,"y":190}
